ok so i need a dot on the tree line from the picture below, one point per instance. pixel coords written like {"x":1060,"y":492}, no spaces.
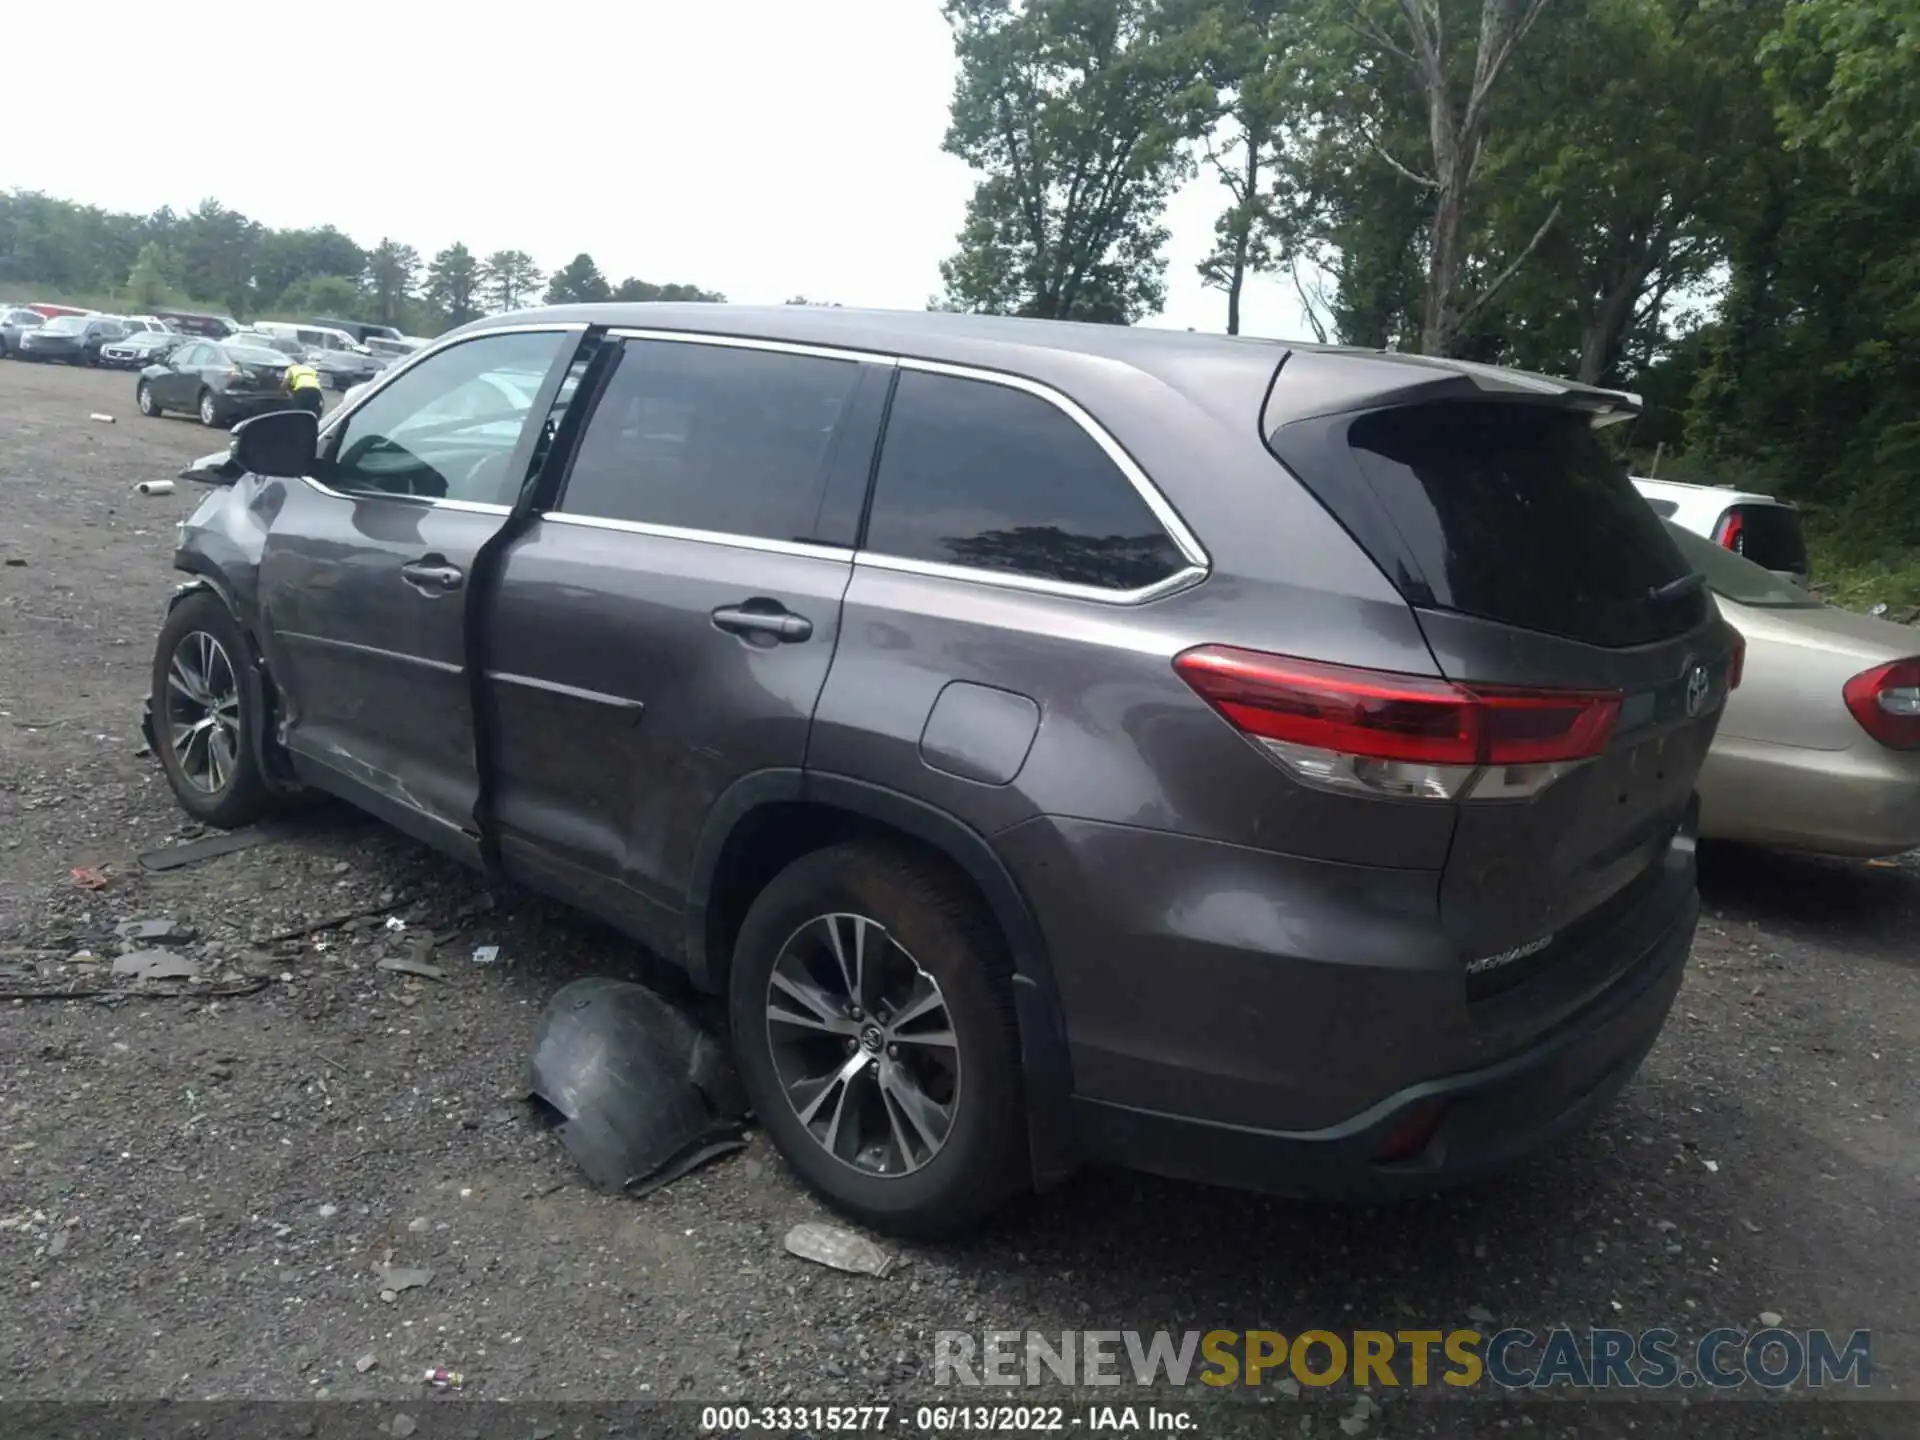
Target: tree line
{"x":1714,"y":202}
{"x":217,"y":257}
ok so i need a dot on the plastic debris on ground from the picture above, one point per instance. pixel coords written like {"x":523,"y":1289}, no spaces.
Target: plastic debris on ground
{"x":157,"y":965}
{"x":88,"y":878}
{"x":412,"y":967}
{"x":155,"y":932}
{"x":441,"y":1378}
{"x":643,"y":1094}
{"x":839,"y":1249}
{"x":396,"y":1278}
{"x":485,"y":954}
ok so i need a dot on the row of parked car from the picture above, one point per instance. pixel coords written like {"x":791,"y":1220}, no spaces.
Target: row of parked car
{"x":345,"y":352}
{"x":1268,"y":764}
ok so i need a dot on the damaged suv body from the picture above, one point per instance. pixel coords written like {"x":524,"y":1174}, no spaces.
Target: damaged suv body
{"x":1059,"y":743}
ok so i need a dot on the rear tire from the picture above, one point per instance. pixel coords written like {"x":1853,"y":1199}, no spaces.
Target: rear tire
{"x":149,"y":407}
{"x":203,"y":720}
{"x":928,"y":1136}
{"x":209,"y":408}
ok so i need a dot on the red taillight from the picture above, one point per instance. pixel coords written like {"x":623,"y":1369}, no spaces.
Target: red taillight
{"x":1399,"y":734}
{"x":1886,"y":702}
{"x":1736,"y":662}
{"x":1731,"y":524}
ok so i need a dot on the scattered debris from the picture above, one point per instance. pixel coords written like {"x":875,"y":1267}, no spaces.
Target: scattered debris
{"x":840,"y":1249}
{"x":1713,"y":1166}
{"x":1480,"y":1314}
{"x":1879,"y":609}
{"x":331,"y":922}
{"x":401,"y":1426}
{"x":174,"y":857}
{"x":105,"y":419}
{"x":158,"y":932}
{"x":16,"y":562}
{"x":419,"y":1225}
{"x":58,"y":1244}
{"x":86,"y":877}
{"x":157,"y":965}
{"x":394,"y":922}
{"x":412,"y":967}
{"x":1770,"y":1318}
{"x":441,"y":1378}
{"x":395,"y":1278}
{"x":1355,"y":1420}
{"x":327,"y":1212}
{"x":485,"y":954}
{"x":155,"y":487}
{"x":366,"y":1362}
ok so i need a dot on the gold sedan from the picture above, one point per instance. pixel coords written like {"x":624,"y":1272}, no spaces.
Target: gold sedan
{"x":1819,"y":748}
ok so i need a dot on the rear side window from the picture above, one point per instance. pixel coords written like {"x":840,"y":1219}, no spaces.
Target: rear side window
{"x":1517,"y":514}
{"x":712,"y":437}
{"x":985,"y":476}
{"x":1768,"y":535}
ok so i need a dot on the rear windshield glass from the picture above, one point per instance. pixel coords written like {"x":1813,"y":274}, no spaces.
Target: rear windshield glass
{"x":66,"y":325}
{"x":1517,"y":514}
{"x":1736,"y":579}
{"x":1768,"y":535}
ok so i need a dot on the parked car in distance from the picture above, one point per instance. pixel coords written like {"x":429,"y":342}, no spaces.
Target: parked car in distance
{"x":360,"y":330}
{"x":1061,"y":743}
{"x":384,"y":348}
{"x":50,"y":311}
{"x":218,"y":381}
{"x":137,"y":323}
{"x":76,"y":339}
{"x":195,"y":322}
{"x":1765,"y":530}
{"x":143,"y":347}
{"x":1820,"y":746}
{"x":13,"y":323}
{"x":292,"y":349}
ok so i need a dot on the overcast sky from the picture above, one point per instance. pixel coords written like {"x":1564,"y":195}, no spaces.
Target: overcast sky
{"x":763,"y":148}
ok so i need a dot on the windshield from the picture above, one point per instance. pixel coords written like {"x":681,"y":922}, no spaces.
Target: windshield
{"x":1736,"y":579}
{"x":26,"y":319}
{"x":67,"y":325}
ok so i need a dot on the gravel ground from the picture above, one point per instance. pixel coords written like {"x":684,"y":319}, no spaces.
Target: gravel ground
{"x":195,"y":1191}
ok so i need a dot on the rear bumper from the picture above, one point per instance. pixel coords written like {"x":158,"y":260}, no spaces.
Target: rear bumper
{"x":1487,"y":1118}
{"x":240,"y":407}
{"x":1863,"y":801}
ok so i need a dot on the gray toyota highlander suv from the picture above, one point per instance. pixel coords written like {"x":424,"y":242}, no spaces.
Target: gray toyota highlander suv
{"x":1254,"y":762}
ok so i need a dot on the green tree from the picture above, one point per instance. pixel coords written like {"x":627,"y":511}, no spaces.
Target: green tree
{"x":216,"y":255}
{"x":578,"y":282}
{"x":1249,"y":47}
{"x":1454,"y":88}
{"x":323,"y":295}
{"x":453,"y":284}
{"x":631,"y":289}
{"x":508,"y":279}
{"x":1074,"y":112}
{"x":147,"y":281}
{"x":284,"y":257}
{"x":393,"y":278}
{"x":1846,"y":76}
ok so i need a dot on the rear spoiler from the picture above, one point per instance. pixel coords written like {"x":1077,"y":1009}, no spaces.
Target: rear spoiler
{"x":1306,"y":386}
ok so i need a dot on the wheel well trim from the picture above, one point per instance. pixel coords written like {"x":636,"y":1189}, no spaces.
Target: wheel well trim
{"x":1045,"y":1063}
{"x":204,"y":578}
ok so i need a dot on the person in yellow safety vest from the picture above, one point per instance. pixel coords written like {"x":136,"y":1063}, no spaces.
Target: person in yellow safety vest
{"x":303,"y":384}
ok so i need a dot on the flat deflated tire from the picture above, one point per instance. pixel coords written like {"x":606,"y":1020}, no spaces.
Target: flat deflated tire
{"x":872,"y":1014}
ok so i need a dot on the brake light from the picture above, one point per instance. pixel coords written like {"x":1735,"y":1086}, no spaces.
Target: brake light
{"x":1886,"y":702}
{"x":1731,"y":524}
{"x":1411,"y":736}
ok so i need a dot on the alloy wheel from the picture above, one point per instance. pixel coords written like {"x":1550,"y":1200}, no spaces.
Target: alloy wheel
{"x":146,"y":398}
{"x":203,"y":712}
{"x":863,"y":1045}
{"x":208,"y":414}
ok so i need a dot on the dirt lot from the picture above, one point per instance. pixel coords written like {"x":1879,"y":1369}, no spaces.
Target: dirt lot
{"x":194,"y":1191}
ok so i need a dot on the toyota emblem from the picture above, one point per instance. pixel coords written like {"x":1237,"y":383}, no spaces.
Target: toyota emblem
{"x":1699,"y":687}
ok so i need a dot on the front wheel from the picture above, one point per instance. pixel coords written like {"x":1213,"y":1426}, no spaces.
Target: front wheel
{"x":143,"y":396}
{"x":872,"y":1018}
{"x":203,"y":723}
{"x":209,"y":410}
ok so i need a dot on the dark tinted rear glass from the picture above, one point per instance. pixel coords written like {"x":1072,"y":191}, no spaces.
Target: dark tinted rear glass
{"x":1769,"y":535}
{"x":1517,"y":514}
{"x":986,"y":476}
{"x":710,"y":437}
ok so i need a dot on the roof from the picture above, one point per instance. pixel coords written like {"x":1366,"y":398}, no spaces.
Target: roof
{"x":1200,"y":365}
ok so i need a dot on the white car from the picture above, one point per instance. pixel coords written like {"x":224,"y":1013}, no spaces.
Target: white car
{"x":1765,"y":530}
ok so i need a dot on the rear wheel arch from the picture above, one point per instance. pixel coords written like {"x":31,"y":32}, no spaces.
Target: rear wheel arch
{"x":767,"y":820}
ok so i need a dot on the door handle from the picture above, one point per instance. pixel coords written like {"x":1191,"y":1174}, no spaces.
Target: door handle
{"x":763,"y":617}
{"x":432,"y":573}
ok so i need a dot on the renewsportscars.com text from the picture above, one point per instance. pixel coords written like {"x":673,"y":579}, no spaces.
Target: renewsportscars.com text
{"x":1512,"y":1359}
